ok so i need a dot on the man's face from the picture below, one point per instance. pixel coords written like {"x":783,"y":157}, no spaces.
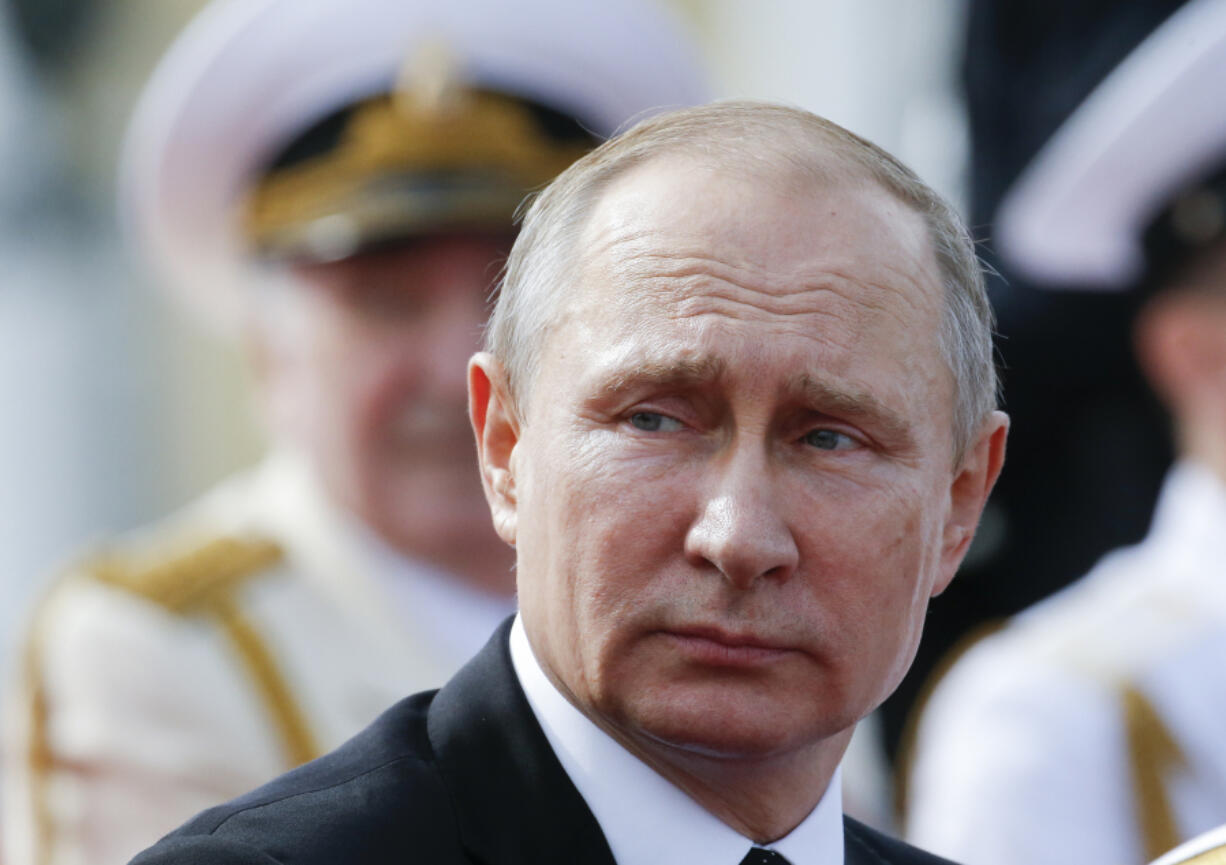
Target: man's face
{"x":369,"y":380}
{"x":731,"y":486}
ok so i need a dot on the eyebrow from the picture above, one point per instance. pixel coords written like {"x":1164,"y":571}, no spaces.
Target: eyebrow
{"x":679,"y":373}
{"x":851,"y":402}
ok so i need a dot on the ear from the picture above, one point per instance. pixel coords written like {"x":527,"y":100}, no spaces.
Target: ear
{"x":969,"y":492}
{"x":496,"y":426}
{"x":270,"y":368}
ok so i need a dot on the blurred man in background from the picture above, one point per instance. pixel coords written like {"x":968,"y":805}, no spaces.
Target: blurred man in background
{"x":1089,"y":445}
{"x":1090,"y":729}
{"x":334,"y":184}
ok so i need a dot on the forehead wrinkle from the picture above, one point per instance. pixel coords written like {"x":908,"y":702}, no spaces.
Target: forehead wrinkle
{"x":691,"y":277}
{"x":697,"y":278}
{"x":599,"y":246}
{"x":687,"y":272}
{"x":915,"y":301}
{"x":851,"y":307}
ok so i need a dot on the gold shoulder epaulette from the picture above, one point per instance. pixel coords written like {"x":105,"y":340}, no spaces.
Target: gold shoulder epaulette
{"x":191,"y":576}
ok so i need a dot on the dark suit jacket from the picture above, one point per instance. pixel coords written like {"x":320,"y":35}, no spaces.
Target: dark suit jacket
{"x":458,"y":776}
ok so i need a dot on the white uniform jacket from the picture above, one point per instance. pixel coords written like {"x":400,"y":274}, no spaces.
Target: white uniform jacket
{"x":1093,"y":727}
{"x":200,"y":659}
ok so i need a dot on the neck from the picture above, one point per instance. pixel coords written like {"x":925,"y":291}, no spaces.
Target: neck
{"x":763,"y":799}
{"x":1203,"y":441}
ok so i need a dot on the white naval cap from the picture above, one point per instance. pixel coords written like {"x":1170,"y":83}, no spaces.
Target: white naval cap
{"x":248,"y":76}
{"x":1137,"y":165}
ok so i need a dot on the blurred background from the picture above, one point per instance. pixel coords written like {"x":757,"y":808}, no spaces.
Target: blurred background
{"x":121,"y":408}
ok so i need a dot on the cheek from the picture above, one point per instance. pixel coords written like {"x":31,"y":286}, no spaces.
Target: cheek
{"x":332,"y":386}
{"x":365,"y":390}
{"x":600,"y":530}
{"x":324,"y":364}
{"x":871,"y":558}
{"x":337,"y":405}
{"x":308,"y":390}
{"x":594,"y":512}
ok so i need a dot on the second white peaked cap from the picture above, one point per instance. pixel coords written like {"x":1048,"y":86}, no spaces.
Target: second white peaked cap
{"x":246,"y":76}
{"x":1078,"y":213}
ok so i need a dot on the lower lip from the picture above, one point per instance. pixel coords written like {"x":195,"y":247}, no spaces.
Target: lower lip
{"x":715,"y":653}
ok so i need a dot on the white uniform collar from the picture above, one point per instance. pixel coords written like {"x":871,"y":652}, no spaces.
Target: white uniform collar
{"x":1191,"y":508}
{"x":647,"y":820}
{"x":416,"y":605}
{"x":461,"y":617}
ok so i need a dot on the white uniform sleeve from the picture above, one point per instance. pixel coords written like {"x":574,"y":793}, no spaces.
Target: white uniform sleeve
{"x":1017,"y":764}
{"x":128,"y":719}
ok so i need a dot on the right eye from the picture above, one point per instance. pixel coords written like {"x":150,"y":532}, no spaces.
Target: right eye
{"x":650,"y":421}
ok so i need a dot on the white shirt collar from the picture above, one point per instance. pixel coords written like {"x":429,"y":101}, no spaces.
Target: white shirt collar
{"x":1191,"y":509}
{"x":645,"y":819}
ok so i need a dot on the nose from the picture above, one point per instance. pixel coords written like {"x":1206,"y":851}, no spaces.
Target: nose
{"x":740,"y":529}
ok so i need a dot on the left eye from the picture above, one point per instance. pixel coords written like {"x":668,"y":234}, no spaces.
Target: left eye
{"x":829,"y":440}
{"x":650,"y":421}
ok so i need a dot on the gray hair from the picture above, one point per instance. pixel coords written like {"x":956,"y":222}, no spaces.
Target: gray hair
{"x":778,"y":140}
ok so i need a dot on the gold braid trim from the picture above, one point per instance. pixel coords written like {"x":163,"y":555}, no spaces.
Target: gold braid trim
{"x":904,"y":762}
{"x":492,"y":139}
{"x":1153,"y":753}
{"x":202,"y":580}
{"x":196,"y":579}
{"x":39,"y":757}
{"x":297,"y":743}
{"x":187,"y":579}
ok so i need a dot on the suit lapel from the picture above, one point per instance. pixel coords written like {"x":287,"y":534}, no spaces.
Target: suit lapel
{"x":865,"y":846}
{"x":514,"y":803}
{"x":513,"y":800}
{"x":854,"y":850}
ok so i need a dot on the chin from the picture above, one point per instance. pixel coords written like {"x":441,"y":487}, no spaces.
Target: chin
{"x":724,"y":724}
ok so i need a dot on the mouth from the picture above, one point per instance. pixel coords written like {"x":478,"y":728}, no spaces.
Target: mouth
{"x":717,"y":647}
